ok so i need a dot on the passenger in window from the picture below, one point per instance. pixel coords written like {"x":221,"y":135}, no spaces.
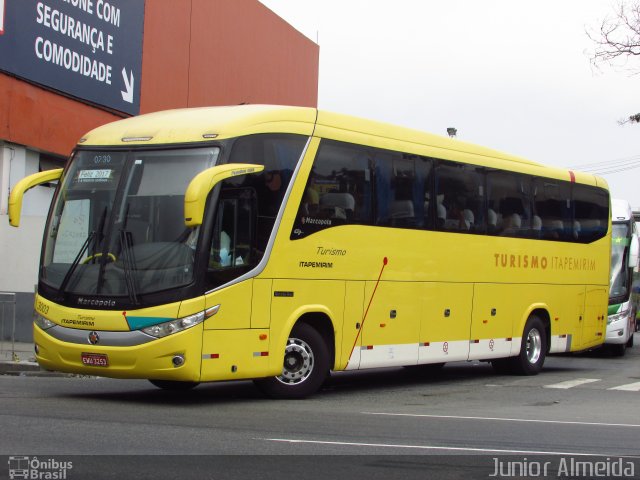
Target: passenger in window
{"x":455,"y":218}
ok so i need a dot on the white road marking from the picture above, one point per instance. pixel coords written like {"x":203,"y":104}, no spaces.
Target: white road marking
{"x":572,"y":383}
{"x":437,"y":447}
{"x":456,"y":417}
{"x":629,"y":387}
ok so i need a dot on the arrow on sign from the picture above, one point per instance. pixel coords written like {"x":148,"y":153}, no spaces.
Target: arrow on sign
{"x":127,"y":94}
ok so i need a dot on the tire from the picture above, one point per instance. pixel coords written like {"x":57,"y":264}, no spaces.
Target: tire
{"x":502,"y":366}
{"x":533,"y":349}
{"x":630,"y":342}
{"x":618,"y":349}
{"x":174,"y":385}
{"x":305,"y":365}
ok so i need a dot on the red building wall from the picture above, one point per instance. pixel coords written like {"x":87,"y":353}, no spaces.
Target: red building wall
{"x":195,"y":53}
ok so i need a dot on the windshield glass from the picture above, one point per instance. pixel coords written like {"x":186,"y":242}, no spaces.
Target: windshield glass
{"x":117,"y":225}
{"x":619,"y":279}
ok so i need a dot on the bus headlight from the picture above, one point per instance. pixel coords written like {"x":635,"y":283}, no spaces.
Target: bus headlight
{"x":617,"y":316}
{"x":174,"y":326}
{"x":42,"y":322}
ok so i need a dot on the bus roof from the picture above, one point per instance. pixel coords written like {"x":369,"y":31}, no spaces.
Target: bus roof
{"x":191,"y":125}
{"x":204,"y":124}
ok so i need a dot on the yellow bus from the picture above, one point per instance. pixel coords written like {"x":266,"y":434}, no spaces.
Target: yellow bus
{"x":281,"y":243}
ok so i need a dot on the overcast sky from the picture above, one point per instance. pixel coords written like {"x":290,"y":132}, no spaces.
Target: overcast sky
{"x":510,"y":75}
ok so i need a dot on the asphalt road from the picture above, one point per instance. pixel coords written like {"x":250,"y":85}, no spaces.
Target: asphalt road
{"x":459,"y":423}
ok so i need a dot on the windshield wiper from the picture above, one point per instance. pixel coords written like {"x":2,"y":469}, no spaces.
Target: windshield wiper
{"x":129,"y":263}
{"x":76,"y":261}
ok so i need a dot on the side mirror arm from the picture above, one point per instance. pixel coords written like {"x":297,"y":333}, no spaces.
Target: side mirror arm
{"x":19,"y":189}
{"x":198,"y":190}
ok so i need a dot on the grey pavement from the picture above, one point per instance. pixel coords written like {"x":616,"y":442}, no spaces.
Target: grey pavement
{"x":17,"y":358}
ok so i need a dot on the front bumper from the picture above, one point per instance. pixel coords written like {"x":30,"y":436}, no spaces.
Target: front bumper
{"x":130,"y":354}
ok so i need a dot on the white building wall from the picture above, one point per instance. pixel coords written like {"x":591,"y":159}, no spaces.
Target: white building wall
{"x":20,"y":247}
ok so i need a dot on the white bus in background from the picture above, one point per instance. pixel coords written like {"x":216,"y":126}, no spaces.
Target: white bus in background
{"x":621,"y":322}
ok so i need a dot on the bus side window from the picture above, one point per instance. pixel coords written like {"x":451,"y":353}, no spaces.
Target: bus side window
{"x":591,"y":212}
{"x":509,"y":200}
{"x":338,"y":191}
{"x":552,"y":202}
{"x":400,"y":189}
{"x":460,"y":197}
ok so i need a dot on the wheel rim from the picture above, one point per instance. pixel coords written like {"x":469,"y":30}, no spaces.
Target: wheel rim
{"x":298,"y":362}
{"x":534,"y":345}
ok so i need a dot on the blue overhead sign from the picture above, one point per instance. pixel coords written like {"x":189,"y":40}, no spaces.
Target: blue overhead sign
{"x":90,"y":49}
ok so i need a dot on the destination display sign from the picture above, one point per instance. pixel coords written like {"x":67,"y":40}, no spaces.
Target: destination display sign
{"x":89,"y":49}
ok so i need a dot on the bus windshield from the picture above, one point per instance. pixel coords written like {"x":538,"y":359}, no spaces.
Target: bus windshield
{"x":117,"y":224}
{"x":619,"y":279}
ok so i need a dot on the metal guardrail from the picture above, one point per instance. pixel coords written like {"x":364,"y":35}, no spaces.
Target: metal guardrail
{"x":8,"y":304}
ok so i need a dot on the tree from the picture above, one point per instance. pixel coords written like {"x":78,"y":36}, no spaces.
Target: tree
{"x":617,"y":41}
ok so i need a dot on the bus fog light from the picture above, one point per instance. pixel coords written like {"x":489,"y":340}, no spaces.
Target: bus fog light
{"x":178,"y":360}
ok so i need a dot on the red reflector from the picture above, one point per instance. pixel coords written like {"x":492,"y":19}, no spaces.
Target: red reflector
{"x":476,"y":341}
{"x":509,"y":339}
{"x":425,"y":344}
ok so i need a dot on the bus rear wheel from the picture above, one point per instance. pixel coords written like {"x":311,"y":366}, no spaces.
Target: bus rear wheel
{"x":305,"y":366}
{"x":533,"y":349}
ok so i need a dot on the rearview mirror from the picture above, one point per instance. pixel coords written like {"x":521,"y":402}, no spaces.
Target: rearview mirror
{"x":17,"y":192}
{"x":199,"y":188}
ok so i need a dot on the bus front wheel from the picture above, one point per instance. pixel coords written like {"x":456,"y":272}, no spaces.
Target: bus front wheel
{"x":533,"y":350}
{"x":305,"y":367}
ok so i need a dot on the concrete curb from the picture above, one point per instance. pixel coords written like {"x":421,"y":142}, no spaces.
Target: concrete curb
{"x":28,"y":369}
{"x":10,"y":367}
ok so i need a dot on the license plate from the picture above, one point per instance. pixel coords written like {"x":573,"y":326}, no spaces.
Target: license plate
{"x":95,"y":359}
